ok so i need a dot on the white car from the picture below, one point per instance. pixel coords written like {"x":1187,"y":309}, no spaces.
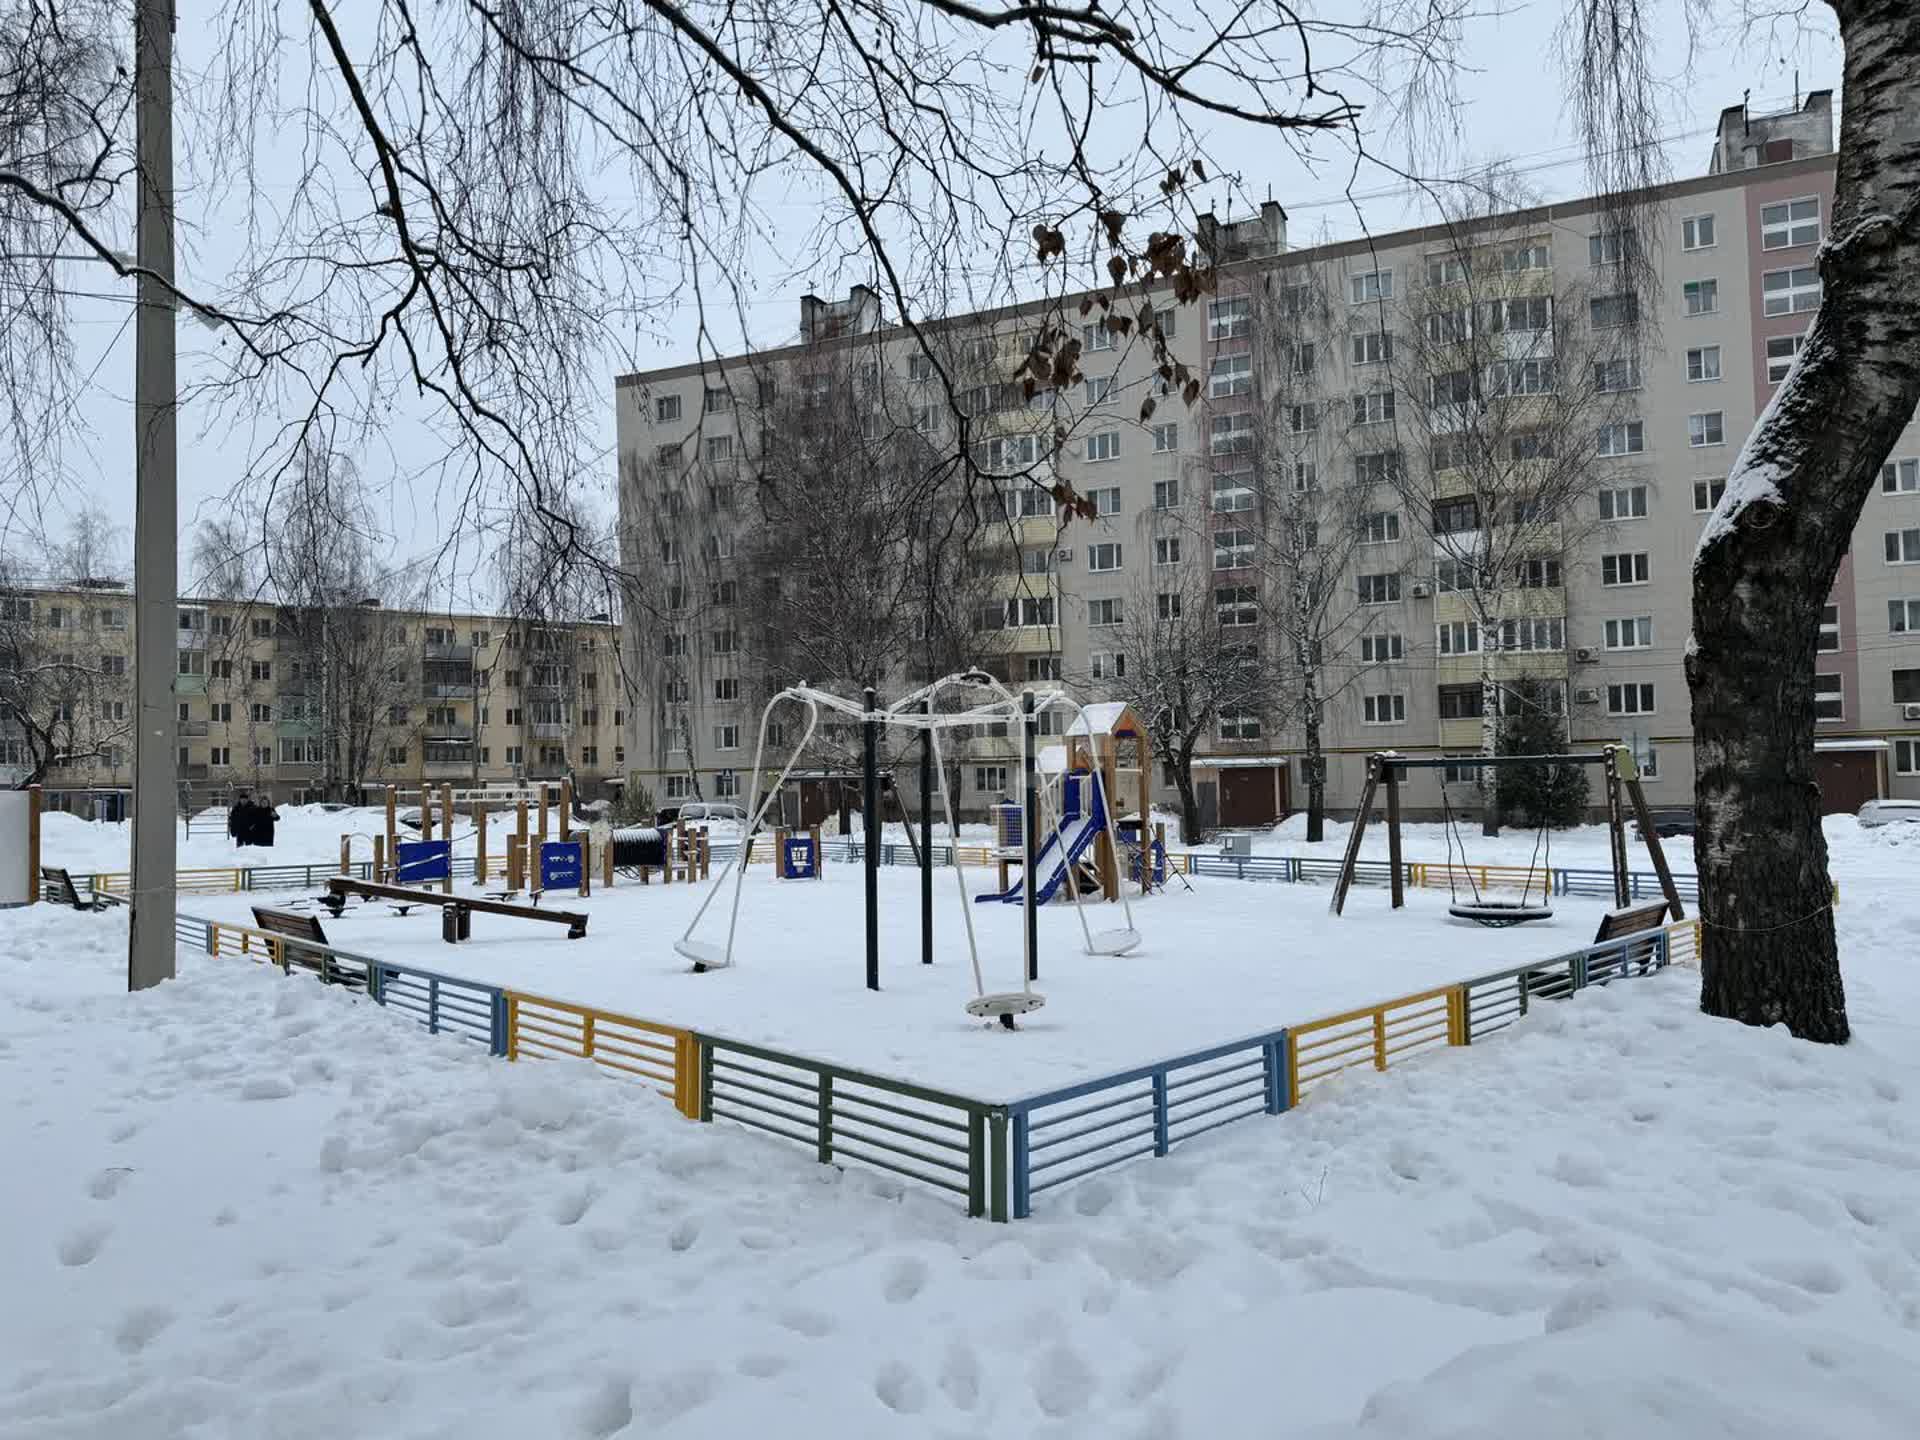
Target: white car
{"x":701,"y":810}
{"x":1890,"y":812}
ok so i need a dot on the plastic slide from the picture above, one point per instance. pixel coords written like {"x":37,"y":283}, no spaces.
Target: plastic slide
{"x":1076,"y":837}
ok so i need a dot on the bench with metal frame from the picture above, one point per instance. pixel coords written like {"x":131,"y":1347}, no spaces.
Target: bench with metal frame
{"x":301,"y":942}
{"x":56,"y":883}
{"x":1631,"y":920}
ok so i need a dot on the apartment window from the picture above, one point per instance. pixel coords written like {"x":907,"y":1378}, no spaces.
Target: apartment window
{"x":726,"y":687}
{"x":1372,"y":407}
{"x":1532,"y":256}
{"x":1903,"y":547}
{"x":1460,"y":702}
{"x":1106,"y":500}
{"x":1829,"y":698}
{"x":1102,"y":614}
{"x":1626,"y":568}
{"x":1456,"y":515}
{"x":1043,"y":561}
{"x":1781,"y":350}
{"x":1703,"y":363}
{"x":1609,"y":247}
{"x":1790,"y":292}
{"x":1103,"y":445}
{"x":1631,"y":633}
{"x":724,"y":592}
{"x":17,"y":609}
{"x":1906,"y":757}
{"x":1378,"y":467}
{"x":1373,"y":348}
{"x":1232,"y":492}
{"x":1381,"y":527}
{"x":1448,"y":327}
{"x":1457,"y":637}
{"x":1236,"y":605}
{"x":1708,"y":428}
{"x":1300,"y":356}
{"x":1619,"y":373}
{"x":1166,"y":494}
{"x":1388,"y":709}
{"x":1520,"y":377}
{"x":1542,"y":574}
{"x":1789,"y":224}
{"x":1605,"y":312}
{"x":1829,"y":629}
{"x":1702,"y":297}
{"x":262,"y":628}
{"x":1230,"y":434}
{"x":1526,"y":314}
{"x":1230,"y":375}
{"x":1306,"y":477}
{"x":1369,"y":286}
{"x":1099,"y":388}
{"x":1447,"y":269}
{"x":1166,"y":605}
{"x":1233,"y":549}
{"x":113,"y":666}
{"x":1106,"y":665}
{"x":1166,"y":550}
{"x":114,"y":619}
{"x":1382,"y":649}
{"x":1302,"y":418}
{"x":1096,"y":336}
{"x":990,"y":779}
{"x":262,"y":669}
{"x":1043,"y":667}
{"x":665,"y":408}
{"x":667,"y":455}
{"x":718,"y":400}
{"x":1452,"y":577}
{"x":1906,"y":687}
{"x":1456,"y":387}
{"x":1379,"y":589}
{"x":1104,"y":556}
{"x":725,"y":642}
{"x":719,"y":447}
{"x":1903,"y":616}
{"x":1229,"y":319}
{"x":726,"y":737}
{"x":1633,"y":699}
{"x":1239,"y":725}
{"x":1544,"y":633}
{"x":1696,"y":233}
{"x":1628,"y":502}
{"x":1166,"y":438}
{"x":1706,"y":494}
{"x":112,"y":710}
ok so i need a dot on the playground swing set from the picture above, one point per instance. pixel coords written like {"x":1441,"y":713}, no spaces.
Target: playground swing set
{"x":982,"y":700}
{"x":1387,"y":768}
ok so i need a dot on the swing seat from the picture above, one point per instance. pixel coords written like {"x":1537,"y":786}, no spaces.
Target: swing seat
{"x":704,"y":955}
{"x":1005,"y":1007}
{"x":1498,"y":914}
{"x":1113,"y":942}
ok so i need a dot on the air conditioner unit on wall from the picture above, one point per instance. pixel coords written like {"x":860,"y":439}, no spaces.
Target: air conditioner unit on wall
{"x":1910,"y":712}
{"x":1064,"y":555}
{"x":1586,"y":697}
{"x":1419,"y":591}
{"x":1584,"y":654}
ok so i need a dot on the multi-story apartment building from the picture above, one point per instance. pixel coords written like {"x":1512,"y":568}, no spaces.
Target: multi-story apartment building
{"x":1504,"y":434}
{"x":302,"y":705}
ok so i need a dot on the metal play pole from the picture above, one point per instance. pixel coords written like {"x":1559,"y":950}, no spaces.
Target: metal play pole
{"x":870,"y":764}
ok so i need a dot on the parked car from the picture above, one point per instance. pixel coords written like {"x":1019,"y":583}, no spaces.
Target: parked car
{"x":701,"y":812}
{"x":1669,"y":821}
{"x":1890,"y":812}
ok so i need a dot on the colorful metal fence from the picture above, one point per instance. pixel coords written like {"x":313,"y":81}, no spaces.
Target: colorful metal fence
{"x":996,"y":1156}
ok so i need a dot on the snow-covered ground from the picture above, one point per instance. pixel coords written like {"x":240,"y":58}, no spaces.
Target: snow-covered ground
{"x":245,"y":1206}
{"x":1219,"y":961}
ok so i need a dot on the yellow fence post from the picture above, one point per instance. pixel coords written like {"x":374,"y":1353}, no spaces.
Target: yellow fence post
{"x":1457,"y":1015}
{"x":513,"y":1026}
{"x":1380,"y":1038}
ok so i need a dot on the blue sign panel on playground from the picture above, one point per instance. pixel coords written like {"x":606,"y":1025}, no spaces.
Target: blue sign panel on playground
{"x":418,"y":861}
{"x":800,"y":862}
{"x":560,"y":865}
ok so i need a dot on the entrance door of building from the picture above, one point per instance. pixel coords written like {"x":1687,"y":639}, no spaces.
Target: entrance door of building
{"x":1252,"y":796}
{"x":1847,"y":779}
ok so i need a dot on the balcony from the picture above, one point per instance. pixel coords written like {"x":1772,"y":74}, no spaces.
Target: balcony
{"x":446,"y":769}
{"x":550,"y":729}
{"x":446,"y":689}
{"x":190,"y":728}
{"x":189,"y":684}
{"x":447,"y":650}
{"x":453,"y":734}
{"x":195,"y":771}
{"x":190,"y":639}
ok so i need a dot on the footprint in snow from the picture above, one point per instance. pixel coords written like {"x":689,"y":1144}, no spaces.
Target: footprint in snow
{"x":569,"y":1208}
{"x":79,"y":1246}
{"x":813,"y":1324}
{"x":107,"y":1183}
{"x":899,"y":1389}
{"x":960,"y":1375}
{"x":905,"y":1280}
{"x":761,"y":1364}
{"x":139,"y":1327}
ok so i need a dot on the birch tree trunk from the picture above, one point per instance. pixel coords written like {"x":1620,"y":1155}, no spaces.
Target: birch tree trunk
{"x":1767,"y":559}
{"x":1489,"y":724}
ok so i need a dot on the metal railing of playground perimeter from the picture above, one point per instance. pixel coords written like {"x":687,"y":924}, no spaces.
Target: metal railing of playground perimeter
{"x":994,"y":1155}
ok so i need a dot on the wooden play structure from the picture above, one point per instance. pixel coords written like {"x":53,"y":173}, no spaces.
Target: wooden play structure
{"x":1093,"y":743}
{"x":799,"y":855}
{"x":20,"y":844}
{"x":1387,"y":768}
{"x":340,"y":888}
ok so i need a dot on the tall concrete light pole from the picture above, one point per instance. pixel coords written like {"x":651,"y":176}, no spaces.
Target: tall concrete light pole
{"x":155,"y":538}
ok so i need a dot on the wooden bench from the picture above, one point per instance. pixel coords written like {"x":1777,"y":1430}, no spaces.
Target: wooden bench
{"x":1631,"y":920}
{"x":339,"y":887}
{"x":57,"y":885}
{"x":300,"y":934}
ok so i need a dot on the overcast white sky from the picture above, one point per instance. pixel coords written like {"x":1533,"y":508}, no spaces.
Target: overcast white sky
{"x":1513,"y":110}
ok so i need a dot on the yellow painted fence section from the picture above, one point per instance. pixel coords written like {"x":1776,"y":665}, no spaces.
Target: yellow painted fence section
{"x":1376,"y":1035}
{"x":663,"y":1056}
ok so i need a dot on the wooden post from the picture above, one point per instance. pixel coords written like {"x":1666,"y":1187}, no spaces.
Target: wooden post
{"x":446,"y":825}
{"x":1344,"y":881}
{"x":566,"y":810}
{"x":1654,"y":848}
{"x":545,"y":796}
{"x":346,"y":854}
{"x":393,"y":838}
{"x":517,"y":871}
{"x":780,"y":853}
{"x":479,"y":843}
{"x":586,"y":863}
{"x":379,"y":858}
{"x":1393,"y":836}
{"x":1109,"y":763}
{"x":1616,"y":833}
{"x":426,"y":812}
{"x":606,"y":862}
{"x":34,"y":800}
{"x":515,"y":846}
{"x":706,"y":855}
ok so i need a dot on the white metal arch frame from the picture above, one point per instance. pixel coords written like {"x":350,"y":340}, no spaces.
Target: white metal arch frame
{"x":918,"y":711}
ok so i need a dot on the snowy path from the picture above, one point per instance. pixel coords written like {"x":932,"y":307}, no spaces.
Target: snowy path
{"x":242,"y":1206}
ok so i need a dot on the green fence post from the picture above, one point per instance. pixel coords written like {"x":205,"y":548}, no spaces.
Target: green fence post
{"x":997,"y":1162}
{"x":976,"y":1164}
{"x":706,"y":1079}
{"x":826,"y":1118}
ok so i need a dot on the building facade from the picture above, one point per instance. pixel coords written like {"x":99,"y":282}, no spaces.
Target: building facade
{"x":303,"y":706}
{"x":1504,"y":434}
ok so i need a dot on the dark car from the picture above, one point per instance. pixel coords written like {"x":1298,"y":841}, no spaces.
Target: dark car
{"x":1675,"y":820}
